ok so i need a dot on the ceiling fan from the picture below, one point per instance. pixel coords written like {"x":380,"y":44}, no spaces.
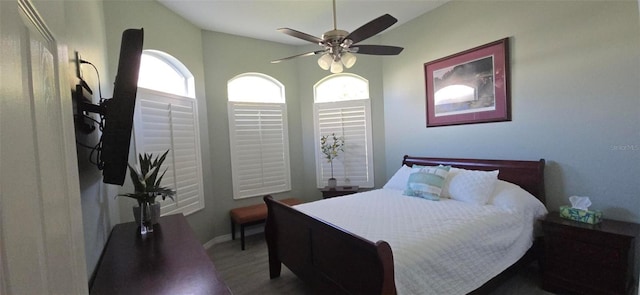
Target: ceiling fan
{"x":338,"y":46}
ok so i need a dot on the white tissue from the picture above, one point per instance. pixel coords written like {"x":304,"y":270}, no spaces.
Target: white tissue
{"x":581,"y":203}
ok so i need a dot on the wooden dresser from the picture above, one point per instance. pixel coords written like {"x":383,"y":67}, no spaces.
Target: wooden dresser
{"x":588,"y":259}
{"x":168,"y":261}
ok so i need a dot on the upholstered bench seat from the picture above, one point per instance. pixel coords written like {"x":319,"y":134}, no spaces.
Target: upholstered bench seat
{"x":250,"y":215}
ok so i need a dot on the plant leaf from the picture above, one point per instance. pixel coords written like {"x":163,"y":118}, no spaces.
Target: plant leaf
{"x":160,"y":178}
{"x":135,"y":179}
{"x":145,"y":179}
{"x":161,"y":160}
{"x":150,"y":179}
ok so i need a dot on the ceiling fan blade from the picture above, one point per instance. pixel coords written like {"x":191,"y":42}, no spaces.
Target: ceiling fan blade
{"x":376,"y":49}
{"x":371,"y":28}
{"x":300,"y":35}
{"x":297,"y":55}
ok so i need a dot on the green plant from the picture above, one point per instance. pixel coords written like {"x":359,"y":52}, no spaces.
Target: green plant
{"x":331,"y":149}
{"x":146,"y":181}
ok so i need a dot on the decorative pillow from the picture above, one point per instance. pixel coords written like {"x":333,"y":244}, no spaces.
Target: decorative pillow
{"x":473,"y":186}
{"x":426,"y":182}
{"x":399,"y":179}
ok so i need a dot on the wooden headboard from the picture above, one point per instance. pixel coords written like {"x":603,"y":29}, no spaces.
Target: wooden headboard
{"x":527,"y":174}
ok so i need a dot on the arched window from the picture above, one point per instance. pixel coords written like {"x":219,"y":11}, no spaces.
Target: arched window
{"x":163,"y":72}
{"x":166,"y":118}
{"x":342,"y":107}
{"x":259,"y":137}
{"x":341,"y":87}
{"x":255,"y":87}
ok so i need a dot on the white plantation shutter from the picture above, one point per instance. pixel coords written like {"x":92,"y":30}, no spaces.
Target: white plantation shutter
{"x":342,"y":107}
{"x":259,"y":148}
{"x":350,"y":120}
{"x":166,"y":121}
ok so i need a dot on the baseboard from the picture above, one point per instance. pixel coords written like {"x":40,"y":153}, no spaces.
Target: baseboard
{"x":227,"y":237}
{"x":216,"y":240}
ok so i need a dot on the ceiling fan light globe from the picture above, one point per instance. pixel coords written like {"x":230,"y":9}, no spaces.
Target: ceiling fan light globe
{"x":348,"y":59}
{"x":336,"y":66}
{"x":325,"y":61}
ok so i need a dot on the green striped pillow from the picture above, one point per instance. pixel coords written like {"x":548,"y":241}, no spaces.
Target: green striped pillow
{"x":426,"y":182}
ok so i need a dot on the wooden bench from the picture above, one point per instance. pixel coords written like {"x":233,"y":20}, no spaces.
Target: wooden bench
{"x":251,"y":215}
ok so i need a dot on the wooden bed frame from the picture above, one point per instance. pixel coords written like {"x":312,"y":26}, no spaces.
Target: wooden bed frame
{"x":336,"y":261}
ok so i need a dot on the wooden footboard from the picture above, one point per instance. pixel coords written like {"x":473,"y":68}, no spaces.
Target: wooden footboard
{"x":331,"y":259}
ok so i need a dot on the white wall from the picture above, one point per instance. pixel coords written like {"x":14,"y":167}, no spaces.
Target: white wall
{"x":574,"y":92}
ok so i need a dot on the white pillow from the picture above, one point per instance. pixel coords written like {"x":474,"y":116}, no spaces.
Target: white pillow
{"x":473,"y":186}
{"x":512,"y":197}
{"x":399,"y":179}
{"x":447,"y":182}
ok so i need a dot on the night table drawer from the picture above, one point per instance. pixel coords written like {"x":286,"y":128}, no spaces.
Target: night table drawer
{"x":591,"y":235}
{"x":596,"y":255}
{"x":585,"y":258}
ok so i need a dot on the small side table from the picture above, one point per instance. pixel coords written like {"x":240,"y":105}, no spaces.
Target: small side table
{"x":588,"y":258}
{"x":330,"y":192}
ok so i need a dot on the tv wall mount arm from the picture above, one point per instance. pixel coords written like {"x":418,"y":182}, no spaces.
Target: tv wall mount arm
{"x":83,"y":107}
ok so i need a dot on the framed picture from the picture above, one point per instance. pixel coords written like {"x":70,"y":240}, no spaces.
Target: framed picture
{"x":469,"y":87}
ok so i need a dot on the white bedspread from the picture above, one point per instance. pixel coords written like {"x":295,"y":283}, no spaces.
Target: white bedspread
{"x":439,"y":247}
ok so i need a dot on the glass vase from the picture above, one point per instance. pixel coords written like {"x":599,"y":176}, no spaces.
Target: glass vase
{"x":146,"y":226}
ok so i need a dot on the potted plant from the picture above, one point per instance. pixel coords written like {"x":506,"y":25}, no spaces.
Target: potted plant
{"x":146,"y":182}
{"x":330,"y":151}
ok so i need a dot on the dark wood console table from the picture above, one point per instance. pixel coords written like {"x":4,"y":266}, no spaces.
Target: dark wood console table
{"x":168,"y":261}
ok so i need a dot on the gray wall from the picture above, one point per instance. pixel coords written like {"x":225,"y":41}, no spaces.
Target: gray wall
{"x":99,"y":212}
{"x":170,"y":33}
{"x":227,"y":56}
{"x":574,"y":92}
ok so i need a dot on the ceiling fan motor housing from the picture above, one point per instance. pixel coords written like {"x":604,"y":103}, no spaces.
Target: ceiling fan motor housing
{"x":334,"y":36}
{"x":334,"y":42}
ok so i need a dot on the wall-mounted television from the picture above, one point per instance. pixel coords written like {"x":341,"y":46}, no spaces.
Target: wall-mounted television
{"x":116,"y":113}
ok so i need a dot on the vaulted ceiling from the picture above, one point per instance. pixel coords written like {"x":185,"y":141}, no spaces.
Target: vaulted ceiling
{"x":260,"y":18}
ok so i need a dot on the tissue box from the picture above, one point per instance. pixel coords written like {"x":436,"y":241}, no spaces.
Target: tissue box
{"x":586,"y":216}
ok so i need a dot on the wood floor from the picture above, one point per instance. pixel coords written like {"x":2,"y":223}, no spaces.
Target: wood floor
{"x":247,"y":272}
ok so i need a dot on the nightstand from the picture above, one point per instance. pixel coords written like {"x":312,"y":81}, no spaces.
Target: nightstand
{"x":588,"y":258}
{"x":337,"y":191}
